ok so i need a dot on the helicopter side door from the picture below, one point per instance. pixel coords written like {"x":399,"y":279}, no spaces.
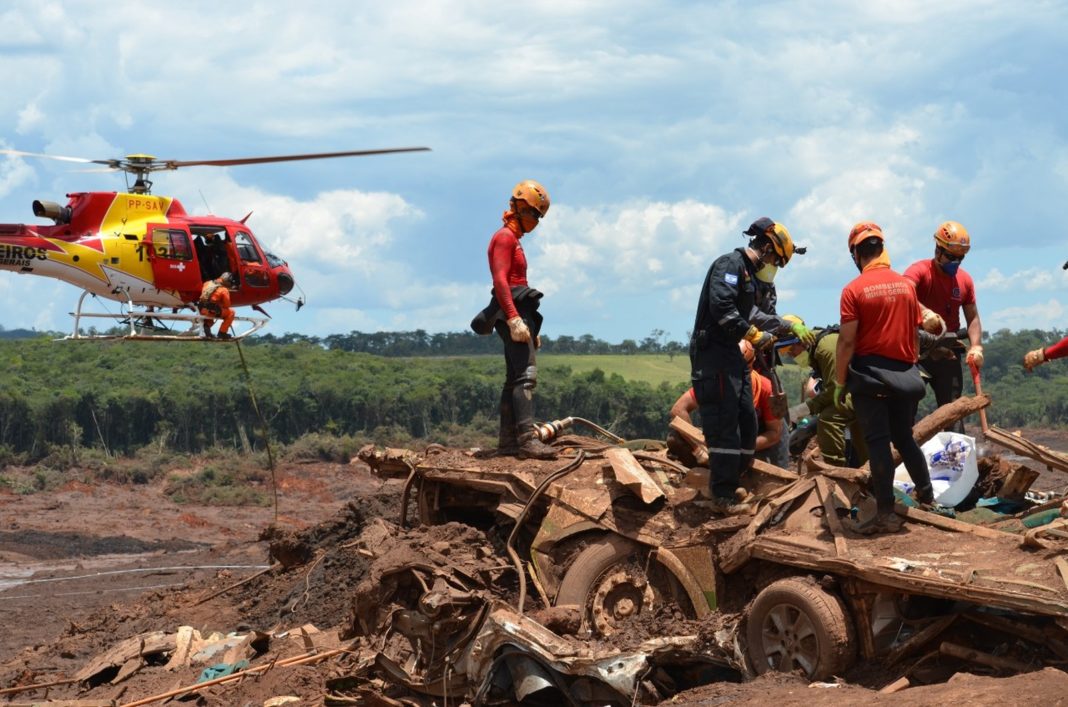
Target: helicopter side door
{"x":174,"y":265}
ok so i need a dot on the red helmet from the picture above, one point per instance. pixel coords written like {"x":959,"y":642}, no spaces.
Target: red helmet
{"x":862,"y":232}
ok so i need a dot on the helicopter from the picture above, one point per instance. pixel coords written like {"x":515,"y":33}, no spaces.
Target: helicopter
{"x":147,"y":253}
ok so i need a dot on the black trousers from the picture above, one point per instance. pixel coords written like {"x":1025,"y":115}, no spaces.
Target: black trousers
{"x":947,"y":382}
{"x":885,"y":420}
{"x":521,"y":374}
{"x":728,"y":421}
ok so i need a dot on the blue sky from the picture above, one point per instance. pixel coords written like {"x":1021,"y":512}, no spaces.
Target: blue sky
{"x":661,"y":130}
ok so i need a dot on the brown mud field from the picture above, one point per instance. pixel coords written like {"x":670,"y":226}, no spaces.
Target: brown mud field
{"x":89,"y":566}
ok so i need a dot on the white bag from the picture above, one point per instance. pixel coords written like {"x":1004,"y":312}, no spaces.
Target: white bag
{"x":954,"y":466}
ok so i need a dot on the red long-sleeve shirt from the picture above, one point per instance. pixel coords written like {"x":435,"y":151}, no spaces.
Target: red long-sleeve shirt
{"x":508,"y":266}
{"x":1058,"y":350}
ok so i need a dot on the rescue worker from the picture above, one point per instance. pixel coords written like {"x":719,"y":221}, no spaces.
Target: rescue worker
{"x":769,"y":426}
{"x":765,"y":317}
{"x":831,"y":423}
{"x":720,"y":379}
{"x":876,"y":359}
{"x":215,"y":302}
{"x":1041,"y":355}
{"x":944,"y":288}
{"x":517,"y":321}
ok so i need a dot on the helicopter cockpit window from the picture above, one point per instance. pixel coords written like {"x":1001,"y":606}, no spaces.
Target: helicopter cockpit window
{"x":273,"y":260}
{"x":172,"y":244}
{"x":245,"y":248}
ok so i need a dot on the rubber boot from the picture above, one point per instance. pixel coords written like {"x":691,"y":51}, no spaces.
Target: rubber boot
{"x":507,"y":440}
{"x":530,"y":447}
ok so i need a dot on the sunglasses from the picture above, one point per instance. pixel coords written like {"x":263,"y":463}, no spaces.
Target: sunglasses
{"x":950,"y":256}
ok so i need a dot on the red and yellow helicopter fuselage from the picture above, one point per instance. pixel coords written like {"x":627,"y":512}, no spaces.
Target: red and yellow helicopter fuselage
{"x":142,"y":249}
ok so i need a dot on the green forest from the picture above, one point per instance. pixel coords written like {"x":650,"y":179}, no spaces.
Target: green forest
{"x":120,"y":397}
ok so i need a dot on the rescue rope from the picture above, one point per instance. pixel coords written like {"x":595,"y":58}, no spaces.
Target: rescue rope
{"x":263,"y":425}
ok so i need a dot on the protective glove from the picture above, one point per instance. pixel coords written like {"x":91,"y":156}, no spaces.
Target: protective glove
{"x":537,"y":341}
{"x":518,"y":330}
{"x":1034,"y":358}
{"x":761,"y":340}
{"x":933,"y":323}
{"x":841,"y":398}
{"x":803,"y":333}
{"x":975,"y":356}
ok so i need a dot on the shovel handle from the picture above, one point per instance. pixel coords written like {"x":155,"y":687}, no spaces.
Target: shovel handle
{"x":977,"y":380}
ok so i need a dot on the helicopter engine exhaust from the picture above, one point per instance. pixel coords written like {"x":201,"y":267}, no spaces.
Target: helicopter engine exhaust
{"x":52,"y":210}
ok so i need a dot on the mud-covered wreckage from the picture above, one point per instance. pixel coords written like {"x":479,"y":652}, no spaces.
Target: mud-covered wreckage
{"x":608,"y":582}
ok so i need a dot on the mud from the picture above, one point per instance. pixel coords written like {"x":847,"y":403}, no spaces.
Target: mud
{"x":336,"y":543}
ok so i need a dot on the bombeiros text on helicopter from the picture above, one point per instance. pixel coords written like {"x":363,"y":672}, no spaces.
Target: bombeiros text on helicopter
{"x":147,"y":253}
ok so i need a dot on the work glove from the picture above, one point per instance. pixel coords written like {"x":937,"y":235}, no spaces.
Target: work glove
{"x":803,"y":333}
{"x":1034,"y":358}
{"x":842,"y":401}
{"x":975,"y":356}
{"x":518,"y":330}
{"x":933,"y":323}
{"x":761,"y":340}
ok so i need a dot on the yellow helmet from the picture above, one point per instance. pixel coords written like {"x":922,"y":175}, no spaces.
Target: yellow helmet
{"x":533,"y":194}
{"x":781,"y":242}
{"x":953,"y":237}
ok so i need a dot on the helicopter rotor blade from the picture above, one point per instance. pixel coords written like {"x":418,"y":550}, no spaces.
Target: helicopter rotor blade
{"x":61,"y":158}
{"x":175,"y":164}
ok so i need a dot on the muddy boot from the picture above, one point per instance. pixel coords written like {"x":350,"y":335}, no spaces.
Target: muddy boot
{"x":507,"y":440}
{"x":881,"y":522}
{"x":728,"y":506}
{"x":530,"y":447}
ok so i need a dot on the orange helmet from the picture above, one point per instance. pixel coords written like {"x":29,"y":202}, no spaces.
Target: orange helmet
{"x":748,"y":352}
{"x":862,"y":232}
{"x":532,"y":193}
{"x":953,"y":237}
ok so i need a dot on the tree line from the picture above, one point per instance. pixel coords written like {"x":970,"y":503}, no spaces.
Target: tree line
{"x":123,"y":396}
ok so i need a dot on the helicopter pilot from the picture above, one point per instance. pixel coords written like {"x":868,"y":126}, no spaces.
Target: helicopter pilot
{"x":215,"y":302}
{"x":211,"y":254}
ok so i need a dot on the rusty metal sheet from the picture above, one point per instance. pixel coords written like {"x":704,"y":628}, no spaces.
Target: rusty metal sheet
{"x":632,"y":475}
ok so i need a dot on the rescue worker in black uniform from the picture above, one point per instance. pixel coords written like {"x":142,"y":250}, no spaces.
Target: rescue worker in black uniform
{"x":718,"y":370}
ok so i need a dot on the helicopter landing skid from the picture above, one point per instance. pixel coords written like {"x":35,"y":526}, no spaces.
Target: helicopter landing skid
{"x":146,"y":324}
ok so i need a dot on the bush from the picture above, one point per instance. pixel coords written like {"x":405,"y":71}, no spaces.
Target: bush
{"x":315,"y":446}
{"x":218,"y":485}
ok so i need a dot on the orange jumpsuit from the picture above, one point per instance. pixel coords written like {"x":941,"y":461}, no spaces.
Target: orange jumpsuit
{"x":221,"y":297}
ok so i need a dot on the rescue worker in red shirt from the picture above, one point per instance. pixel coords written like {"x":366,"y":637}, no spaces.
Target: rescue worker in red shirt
{"x":215,"y":302}
{"x":518,"y":321}
{"x":943,"y":287}
{"x":876,"y":359}
{"x":769,"y":426}
{"x":1039,"y":356}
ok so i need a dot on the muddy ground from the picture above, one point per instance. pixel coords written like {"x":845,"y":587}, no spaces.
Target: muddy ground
{"x":88,"y":565}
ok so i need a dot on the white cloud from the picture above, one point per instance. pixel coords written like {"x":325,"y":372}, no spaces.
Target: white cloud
{"x":1045,"y":315}
{"x":1030,"y":279}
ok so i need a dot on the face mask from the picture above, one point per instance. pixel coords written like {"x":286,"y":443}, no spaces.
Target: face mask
{"x":767,"y":273}
{"x":801,"y":359}
{"x":950,"y":267}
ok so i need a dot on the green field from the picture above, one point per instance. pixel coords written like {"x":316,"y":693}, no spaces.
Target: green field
{"x":653,"y":369}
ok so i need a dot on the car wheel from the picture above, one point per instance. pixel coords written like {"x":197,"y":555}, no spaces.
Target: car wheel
{"x":616,"y":583}
{"x":794,"y":625}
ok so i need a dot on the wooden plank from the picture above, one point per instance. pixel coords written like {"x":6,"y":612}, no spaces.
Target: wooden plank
{"x":915,"y":514}
{"x":735,"y":551}
{"x":1027,"y":448}
{"x":976,"y":656}
{"x":1062,"y":567}
{"x":686,"y":429}
{"x":919,"y":639}
{"x":632,"y":475}
{"x":830,"y":514}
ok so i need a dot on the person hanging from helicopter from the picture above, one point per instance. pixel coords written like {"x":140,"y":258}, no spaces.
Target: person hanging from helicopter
{"x":215,"y":302}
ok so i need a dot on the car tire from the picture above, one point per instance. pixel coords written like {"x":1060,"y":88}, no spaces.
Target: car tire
{"x":794,"y":625}
{"x":615,"y":582}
